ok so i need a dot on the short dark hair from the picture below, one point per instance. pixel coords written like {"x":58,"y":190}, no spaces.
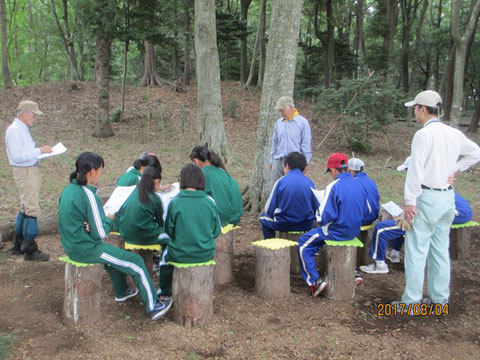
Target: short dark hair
{"x":201,"y":153}
{"x":343,"y":169}
{"x":295,"y":160}
{"x":433,"y":110}
{"x":86,"y":161}
{"x":192,"y":176}
{"x":146,"y":185}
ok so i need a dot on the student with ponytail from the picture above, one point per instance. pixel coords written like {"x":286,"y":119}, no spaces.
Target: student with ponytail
{"x":219,"y":184}
{"x":141,"y":217}
{"x":79,"y":204}
{"x":134,"y":174}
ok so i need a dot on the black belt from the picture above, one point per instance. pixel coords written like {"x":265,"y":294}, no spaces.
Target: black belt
{"x":436,"y":189}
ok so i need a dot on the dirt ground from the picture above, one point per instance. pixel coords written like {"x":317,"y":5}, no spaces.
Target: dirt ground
{"x":244,"y":326}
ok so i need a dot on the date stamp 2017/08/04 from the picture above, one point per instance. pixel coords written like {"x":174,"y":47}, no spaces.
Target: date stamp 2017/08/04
{"x":412,"y":309}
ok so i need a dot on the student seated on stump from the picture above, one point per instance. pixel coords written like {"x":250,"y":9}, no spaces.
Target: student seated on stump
{"x":389,"y":230}
{"x":141,"y":216}
{"x":339,"y":219}
{"x":292,"y":204}
{"x":192,"y":223}
{"x":356,"y":168}
{"x":83,"y":225}
{"x":219,"y":185}
{"x":134,"y":174}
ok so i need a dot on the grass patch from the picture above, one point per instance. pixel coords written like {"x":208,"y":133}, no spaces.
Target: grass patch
{"x":6,"y":343}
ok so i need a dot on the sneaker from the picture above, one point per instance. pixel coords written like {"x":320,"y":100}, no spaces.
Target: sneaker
{"x":394,"y":258}
{"x":373,"y":268}
{"x":36,"y":256}
{"x":14,"y":251}
{"x":160,"y":309}
{"x":131,"y":292}
{"x":318,"y":287}
{"x":358,"y":278}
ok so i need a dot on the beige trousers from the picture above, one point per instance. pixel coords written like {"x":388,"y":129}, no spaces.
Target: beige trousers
{"x":28,"y":180}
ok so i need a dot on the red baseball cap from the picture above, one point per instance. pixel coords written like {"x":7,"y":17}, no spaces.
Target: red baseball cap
{"x":336,"y":160}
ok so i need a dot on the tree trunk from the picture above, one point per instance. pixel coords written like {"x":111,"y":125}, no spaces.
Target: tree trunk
{"x":223,"y":259}
{"x":473,"y":128}
{"x":341,"y":272}
{"x":245,"y":4}
{"x":437,"y":51}
{"x":447,"y":83}
{"x":260,"y":31}
{"x":124,"y":77}
{"x":103,"y":127}
{"x":7,"y":79}
{"x":360,"y":48}
{"x":150,"y":75}
{"x":263,"y":50}
{"x":390,"y":8}
{"x":272,"y":272}
{"x":461,"y":42}
{"x":209,"y":98}
{"x":409,"y":11}
{"x":176,"y":56}
{"x":187,"y":60}
{"x":281,"y":59}
{"x":419,"y":43}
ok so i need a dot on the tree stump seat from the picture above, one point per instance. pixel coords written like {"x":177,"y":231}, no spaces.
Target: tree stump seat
{"x":341,"y":257}
{"x":146,"y":252}
{"x":224,"y":254}
{"x":192,"y":291}
{"x":460,"y":240}
{"x":81,"y":304}
{"x":364,"y":237}
{"x":272,"y":268}
{"x":294,"y":258}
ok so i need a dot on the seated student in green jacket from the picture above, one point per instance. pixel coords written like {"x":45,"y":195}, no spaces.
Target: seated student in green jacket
{"x":83,"y":225}
{"x":193,"y":225}
{"x":141,"y":216}
{"x":219,"y":184}
{"x":134,"y":174}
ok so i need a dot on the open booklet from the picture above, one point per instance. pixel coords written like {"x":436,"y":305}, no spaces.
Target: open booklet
{"x":56,"y":150}
{"x":118,"y":197}
{"x":392,"y":208}
{"x":167,"y":196}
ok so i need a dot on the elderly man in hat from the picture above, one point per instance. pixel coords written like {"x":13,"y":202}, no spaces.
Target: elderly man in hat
{"x":23,"y":157}
{"x":291,"y":133}
{"x":430,"y":199}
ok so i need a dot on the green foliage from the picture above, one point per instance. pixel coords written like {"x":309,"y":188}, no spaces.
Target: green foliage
{"x":360,"y":105}
{"x":233,"y":106}
{"x":116,"y":116}
{"x":6,"y":343}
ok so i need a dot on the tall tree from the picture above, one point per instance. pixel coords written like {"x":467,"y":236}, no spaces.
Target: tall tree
{"x":187,"y":62}
{"x":461,"y":42}
{"x":281,"y":59}
{"x":245,"y":4}
{"x":7,"y":79}
{"x":260,"y":31}
{"x":209,"y":97}
{"x":327,"y":38}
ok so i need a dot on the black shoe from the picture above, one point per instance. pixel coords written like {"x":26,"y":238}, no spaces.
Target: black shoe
{"x":14,"y":251}
{"x":36,"y":256}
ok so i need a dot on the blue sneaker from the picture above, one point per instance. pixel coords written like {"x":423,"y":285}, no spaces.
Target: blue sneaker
{"x":128,"y":294}
{"x":161,"y":308}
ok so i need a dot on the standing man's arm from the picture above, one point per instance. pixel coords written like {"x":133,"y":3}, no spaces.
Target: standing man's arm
{"x":306,"y":141}
{"x":471,"y":155}
{"x":20,"y":150}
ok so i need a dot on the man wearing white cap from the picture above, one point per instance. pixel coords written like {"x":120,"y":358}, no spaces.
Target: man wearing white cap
{"x":23,"y":157}
{"x":291,"y":133}
{"x":356,"y":168}
{"x":429,"y":199}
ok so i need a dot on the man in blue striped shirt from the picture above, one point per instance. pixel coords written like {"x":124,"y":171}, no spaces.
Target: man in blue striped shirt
{"x":23,"y":156}
{"x":291,"y":133}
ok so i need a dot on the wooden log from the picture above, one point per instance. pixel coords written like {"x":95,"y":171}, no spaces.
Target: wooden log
{"x":192,"y":290}
{"x":460,"y":243}
{"x":362,"y":252}
{"x":147,"y":256}
{"x":321,"y":261}
{"x":341,"y":272}
{"x":294,"y":258}
{"x":272,"y":272}
{"x":224,"y":259}
{"x":81,"y":304}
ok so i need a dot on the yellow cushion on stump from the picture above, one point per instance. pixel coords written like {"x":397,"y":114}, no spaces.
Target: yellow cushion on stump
{"x":154,"y":247}
{"x":467,"y":224}
{"x":226,"y":229}
{"x":274,"y":244}
{"x":366,"y":227}
{"x":353,"y":242}
{"x":181,"y":265}
{"x":66,"y":259}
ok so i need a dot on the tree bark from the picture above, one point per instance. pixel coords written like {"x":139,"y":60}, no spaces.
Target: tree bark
{"x":359,"y":41}
{"x":209,"y":97}
{"x":260,"y":31}
{"x":272,"y":272}
{"x":7,"y":79}
{"x":437,"y":51}
{"x":263,"y":51}
{"x":409,"y":10}
{"x":223,"y":259}
{"x":327,"y":40}
{"x":124,"y":77}
{"x":447,"y":83}
{"x":461,"y":42}
{"x":341,"y":272}
{"x":187,"y":61}
{"x":245,"y":4}
{"x":473,"y":128}
{"x":150,"y":75}
{"x":281,"y":59}
{"x":103,"y":127}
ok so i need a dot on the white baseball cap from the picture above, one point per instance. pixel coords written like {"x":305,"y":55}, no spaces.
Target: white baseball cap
{"x":355,"y":164}
{"x":405,"y":164}
{"x":282,"y":102}
{"x":428,"y":98}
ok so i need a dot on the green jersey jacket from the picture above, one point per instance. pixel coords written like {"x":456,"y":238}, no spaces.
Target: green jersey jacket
{"x":131,"y":177}
{"x":80,"y":204}
{"x":226,"y":193}
{"x":142,"y":223}
{"x":193,"y":225}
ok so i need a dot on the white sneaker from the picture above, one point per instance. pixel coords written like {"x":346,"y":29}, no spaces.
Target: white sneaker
{"x":394,"y":258}
{"x":373,"y":268}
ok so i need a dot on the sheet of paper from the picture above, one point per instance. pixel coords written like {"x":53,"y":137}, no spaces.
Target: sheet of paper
{"x":392,"y":208}
{"x":319,"y":194}
{"x":118,"y":197}
{"x":167,"y":196}
{"x":56,"y":150}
